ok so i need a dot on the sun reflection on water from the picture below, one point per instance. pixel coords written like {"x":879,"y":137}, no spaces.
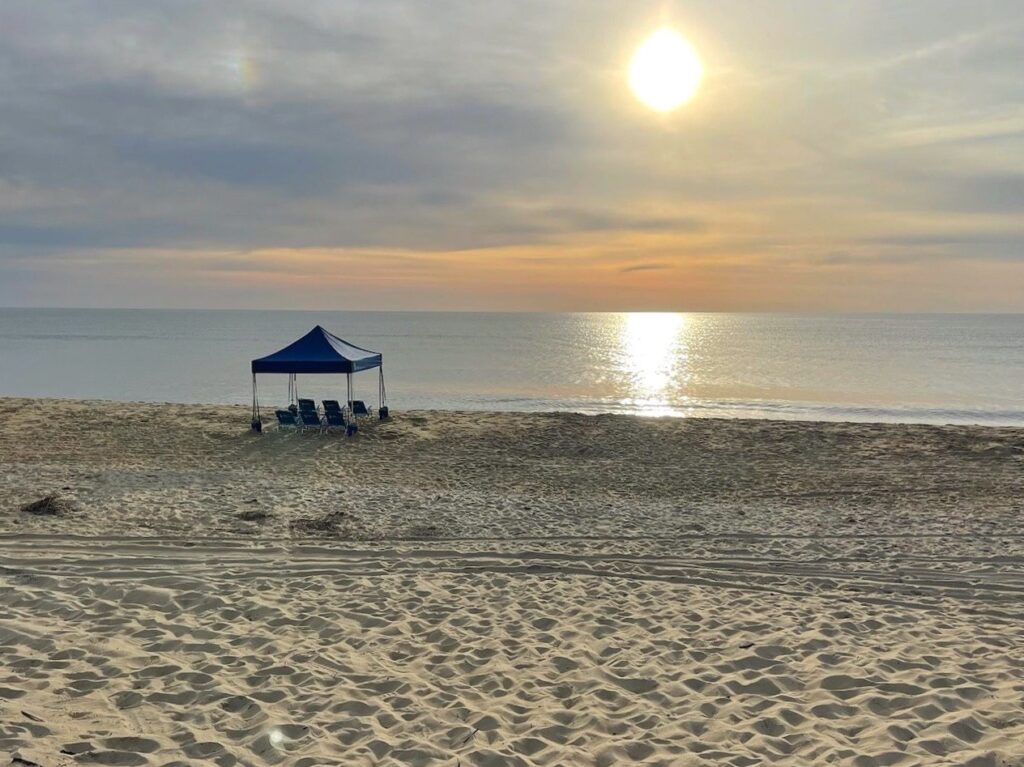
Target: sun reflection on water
{"x":653,"y":358}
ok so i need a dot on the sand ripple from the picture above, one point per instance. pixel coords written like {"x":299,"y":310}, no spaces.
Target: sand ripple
{"x":143,"y":655}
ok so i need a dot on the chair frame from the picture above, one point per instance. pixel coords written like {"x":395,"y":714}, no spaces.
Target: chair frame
{"x":342,"y":421}
{"x":303,"y":425}
{"x":368,"y":409}
{"x":281,"y":424}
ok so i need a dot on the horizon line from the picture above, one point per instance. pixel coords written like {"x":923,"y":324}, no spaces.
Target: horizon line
{"x":818,"y":312}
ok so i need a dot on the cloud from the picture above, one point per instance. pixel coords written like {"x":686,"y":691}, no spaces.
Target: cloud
{"x":404,"y":140}
{"x":644,"y":268}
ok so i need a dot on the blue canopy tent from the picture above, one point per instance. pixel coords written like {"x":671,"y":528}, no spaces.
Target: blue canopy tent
{"x":317,"y":352}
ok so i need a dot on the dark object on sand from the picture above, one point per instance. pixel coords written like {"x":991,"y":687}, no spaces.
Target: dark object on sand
{"x":50,"y":506}
{"x":254,"y":515}
{"x":257,"y":425}
{"x":334,"y":522}
{"x":382,"y":411}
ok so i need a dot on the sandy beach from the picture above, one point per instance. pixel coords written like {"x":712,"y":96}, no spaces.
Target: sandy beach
{"x":459,"y":588}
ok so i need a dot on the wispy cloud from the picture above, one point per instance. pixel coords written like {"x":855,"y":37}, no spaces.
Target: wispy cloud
{"x":644,"y":268}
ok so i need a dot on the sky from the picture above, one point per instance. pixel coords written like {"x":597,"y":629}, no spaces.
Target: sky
{"x":400,"y":154}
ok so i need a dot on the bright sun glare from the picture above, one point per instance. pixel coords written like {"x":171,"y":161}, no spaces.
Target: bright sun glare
{"x":652,"y":349}
{"x":665,"y":71}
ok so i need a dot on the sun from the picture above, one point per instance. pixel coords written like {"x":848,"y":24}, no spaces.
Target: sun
{"x":665,"y":71}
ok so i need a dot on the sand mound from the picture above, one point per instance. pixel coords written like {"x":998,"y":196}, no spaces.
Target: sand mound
{"x":49,"y":506}
{"x":254,"y":515}
{"x":339,"y":524}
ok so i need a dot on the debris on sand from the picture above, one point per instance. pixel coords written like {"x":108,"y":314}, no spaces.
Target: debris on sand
{"x":49,"y":506}
{"x":254,"y":515}
{"x":421,"y":532}
{"x":336,"y":524}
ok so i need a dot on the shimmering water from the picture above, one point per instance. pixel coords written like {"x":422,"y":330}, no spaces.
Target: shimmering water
{"x":924,"y":368}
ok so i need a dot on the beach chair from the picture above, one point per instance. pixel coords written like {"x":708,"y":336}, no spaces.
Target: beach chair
{"x":358,"y":408}
{"x":335,"y":419}
{"x":307,"y":404}
{"x":286,"y":418}
{"x":332,"y":405}
{"x":309,"y":420}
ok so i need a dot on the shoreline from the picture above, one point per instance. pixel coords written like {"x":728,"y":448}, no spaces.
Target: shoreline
{"x":268,"y":418}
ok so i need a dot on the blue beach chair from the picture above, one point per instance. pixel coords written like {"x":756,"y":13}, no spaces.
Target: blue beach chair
{"x":334,"y":419}
{"x":286,"y":419}
{"x":309,"y":420}
{"x":358,"y":408}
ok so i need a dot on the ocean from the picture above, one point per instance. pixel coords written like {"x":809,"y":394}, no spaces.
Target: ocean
{"x":904,"y":368}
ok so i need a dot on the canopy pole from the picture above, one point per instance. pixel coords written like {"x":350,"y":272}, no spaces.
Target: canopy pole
{"x":257,"y":423}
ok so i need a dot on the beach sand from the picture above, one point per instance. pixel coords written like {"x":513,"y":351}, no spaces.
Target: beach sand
{"x":485,"y":589}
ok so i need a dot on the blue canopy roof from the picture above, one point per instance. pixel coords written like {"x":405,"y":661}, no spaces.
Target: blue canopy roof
{"x":318,"y":352}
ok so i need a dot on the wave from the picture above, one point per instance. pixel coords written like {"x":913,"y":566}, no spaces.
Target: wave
{"x":770,"y":409}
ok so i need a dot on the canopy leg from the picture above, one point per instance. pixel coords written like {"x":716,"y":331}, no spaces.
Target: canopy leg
{"x":256,"y":424}
{"x":382,"y":408}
